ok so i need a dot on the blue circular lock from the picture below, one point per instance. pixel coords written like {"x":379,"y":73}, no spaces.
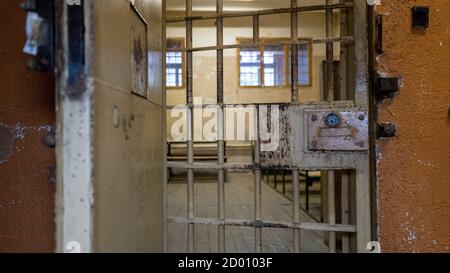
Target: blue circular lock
{"x":333,"y":120}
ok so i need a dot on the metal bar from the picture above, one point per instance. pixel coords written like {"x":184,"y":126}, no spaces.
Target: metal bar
{"x":220,"y":128}
{"x":331,"y":211}
{"x":256,"y":159}
{"x":275,"y":177}
{"x":344,"y":95}
{"x":190,"y":126}
{"x":258,"y":13}
{"x":345,"y":180}
{"x":294,"y":53}
{"x":329,"y":81}
{"x":296,"y":209}
{"x":266,"y":224}
{"x":210,"y":166}
{"x":329,"y":55}
{"x":347,"y":39}
{"x":307,"y":181}
{"x":294,"y":100}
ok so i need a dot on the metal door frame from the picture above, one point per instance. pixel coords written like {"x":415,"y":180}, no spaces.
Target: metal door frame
{"x":329,"y":161}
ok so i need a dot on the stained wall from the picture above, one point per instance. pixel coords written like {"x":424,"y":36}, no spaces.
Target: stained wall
{"x":414,"y":166}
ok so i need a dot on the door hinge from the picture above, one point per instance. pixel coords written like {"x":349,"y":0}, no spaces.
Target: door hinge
{"x":386,"y":87}
{"x":386,"y":130}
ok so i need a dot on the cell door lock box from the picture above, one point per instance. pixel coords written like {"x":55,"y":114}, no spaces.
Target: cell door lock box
{"x":40,"y":34}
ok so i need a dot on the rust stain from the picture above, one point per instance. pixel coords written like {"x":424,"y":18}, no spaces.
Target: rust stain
{"x":414,"y":167}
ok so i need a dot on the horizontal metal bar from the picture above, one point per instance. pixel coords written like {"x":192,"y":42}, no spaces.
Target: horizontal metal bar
{"x":258,"y":12}
{"x":343,"y":40}
{"x":340,"y":104}
{"x":210,"y":166}
{"x":264,"y":224}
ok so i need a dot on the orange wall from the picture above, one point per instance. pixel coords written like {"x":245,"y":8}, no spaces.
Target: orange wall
{"x":414,"y":167}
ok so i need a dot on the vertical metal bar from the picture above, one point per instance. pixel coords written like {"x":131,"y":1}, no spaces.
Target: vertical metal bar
{"x":344,"y":55}
{"x":275,"y":177}
{"x":307,"y":180}
{"x":296,"y":208}
{"x":220,"y":127}
{"x":294,"y":53}
{"x":344,"y":95}
{"x":330,"y":96}
{"x":164,"y":129}
{"x":331,"y":211}
{"x":190,"y":128}
{"x":329,"y":53}
{"x":294,"y":99}
{"x":257,"y":161}
{"x":345,"y":180}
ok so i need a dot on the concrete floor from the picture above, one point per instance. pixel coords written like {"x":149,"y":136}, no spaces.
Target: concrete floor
{"x":239,"y":205}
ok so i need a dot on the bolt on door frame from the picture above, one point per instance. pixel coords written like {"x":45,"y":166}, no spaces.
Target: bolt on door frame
{"x":353,"y":22}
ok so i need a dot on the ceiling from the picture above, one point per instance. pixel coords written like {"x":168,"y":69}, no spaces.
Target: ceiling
{"x":237,"y":5}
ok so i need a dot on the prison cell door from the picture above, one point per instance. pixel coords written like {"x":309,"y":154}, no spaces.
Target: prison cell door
{"x":329,"y":136}
{"x":110,"y":157}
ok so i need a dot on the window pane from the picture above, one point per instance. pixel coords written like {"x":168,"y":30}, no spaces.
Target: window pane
{"x":250,"y":66}
{"x":174,"y":61}
{"x":304,"y":73}
{"x":303,"y":65}
{"x":274,"y":66}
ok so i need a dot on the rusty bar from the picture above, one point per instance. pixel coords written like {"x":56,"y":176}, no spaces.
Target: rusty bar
{"x":347,"y":39}
{"x":190,"y":129}
{"x":296,"y":209}
{"x":259,"y":12}
{"x":294,"y":53}
{"x":220,"y":128}
{"x":265,"y":224}
{"x":256,"y":159}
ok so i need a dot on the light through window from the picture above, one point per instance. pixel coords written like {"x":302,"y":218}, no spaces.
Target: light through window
{"x":274,"y":68}
{"x":250,"y":67}
{"x":174,"y":65}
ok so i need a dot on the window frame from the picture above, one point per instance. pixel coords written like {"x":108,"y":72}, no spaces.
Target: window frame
{"x":242,"y":40}
{"x":181,"y":42}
